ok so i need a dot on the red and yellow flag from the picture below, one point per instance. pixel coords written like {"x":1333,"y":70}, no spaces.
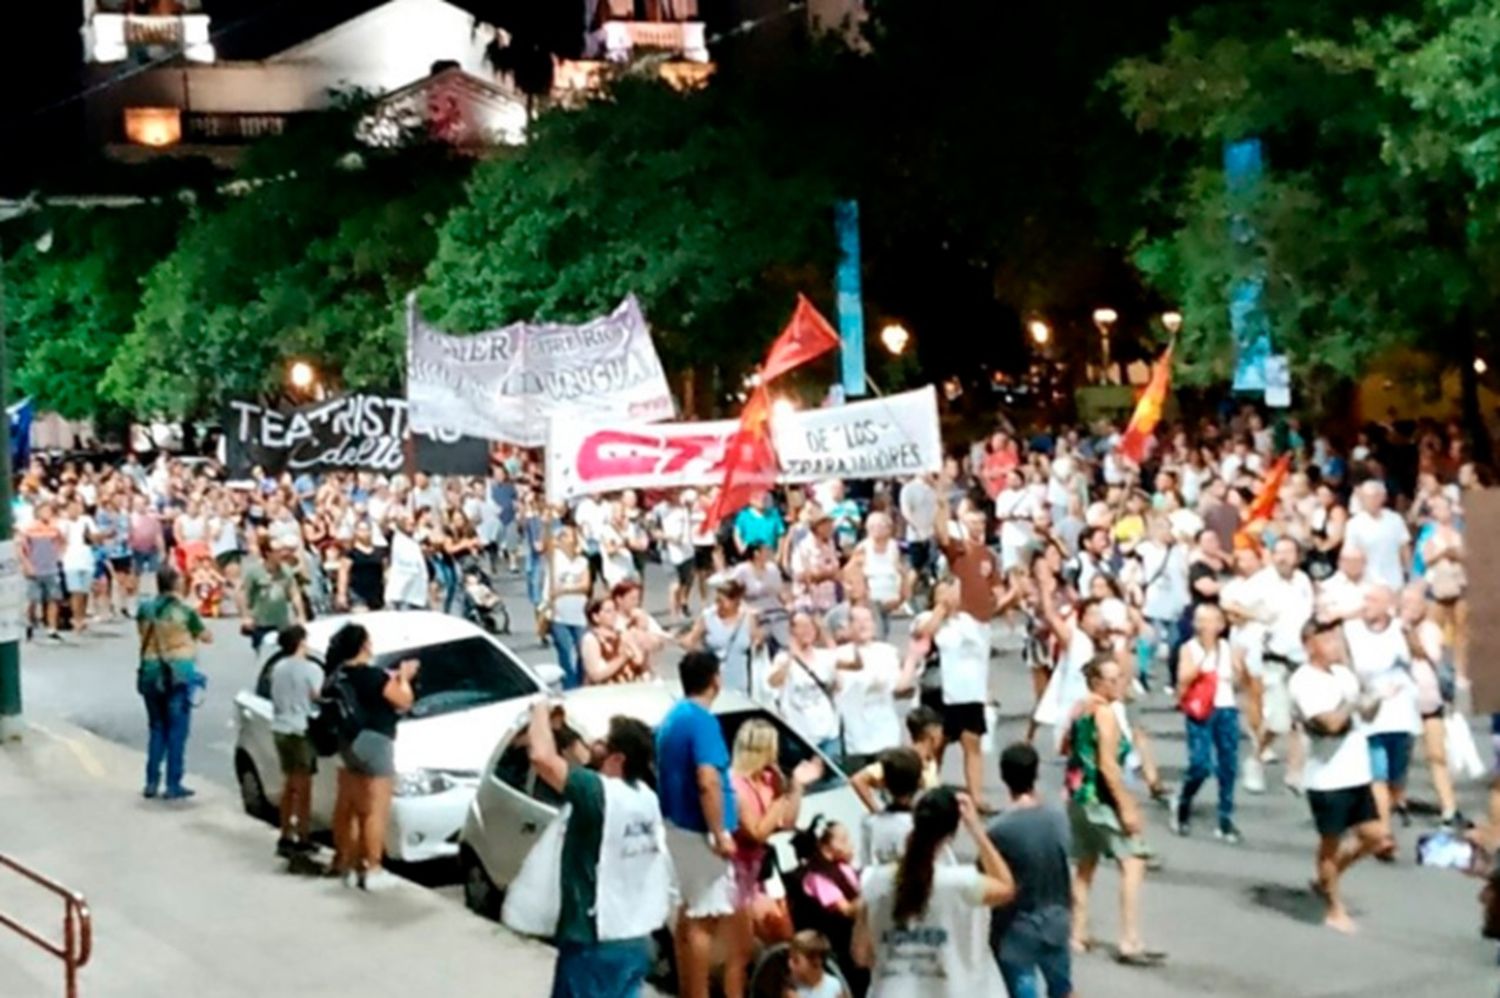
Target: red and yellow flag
{"x":1264,"y":504}
{"x":1148,"y":409}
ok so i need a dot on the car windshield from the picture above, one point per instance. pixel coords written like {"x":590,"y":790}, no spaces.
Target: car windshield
{"x":792,"y":747}
{"x":456,"y":675}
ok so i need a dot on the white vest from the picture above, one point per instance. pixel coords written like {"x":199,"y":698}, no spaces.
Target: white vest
{"x":633,"y":896}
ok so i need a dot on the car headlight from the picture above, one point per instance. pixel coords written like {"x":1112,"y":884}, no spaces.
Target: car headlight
{"x":422,"y":783}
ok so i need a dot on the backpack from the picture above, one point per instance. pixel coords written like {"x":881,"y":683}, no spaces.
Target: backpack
{"x":338,"y":719}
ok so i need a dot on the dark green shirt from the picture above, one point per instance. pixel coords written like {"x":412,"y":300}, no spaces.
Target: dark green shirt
{"x":584,"y":790}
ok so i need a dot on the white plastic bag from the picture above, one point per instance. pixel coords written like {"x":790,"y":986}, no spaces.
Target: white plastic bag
{"x":533,"y":901}
{"x":1463,"y":755}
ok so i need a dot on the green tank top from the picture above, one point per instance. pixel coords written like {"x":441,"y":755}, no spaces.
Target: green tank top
{"x":1083,"y":761}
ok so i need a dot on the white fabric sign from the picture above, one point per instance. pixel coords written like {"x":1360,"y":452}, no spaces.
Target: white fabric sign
{"x":508,"y":384}
{"x":891,"y":437}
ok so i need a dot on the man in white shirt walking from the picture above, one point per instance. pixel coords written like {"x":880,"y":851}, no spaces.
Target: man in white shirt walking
{"x":1284,"y":599}
{"x":1382,"y":535}
{"x":1327,"y":702}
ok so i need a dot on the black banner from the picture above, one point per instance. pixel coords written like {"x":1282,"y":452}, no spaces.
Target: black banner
{"x":363,"y":432}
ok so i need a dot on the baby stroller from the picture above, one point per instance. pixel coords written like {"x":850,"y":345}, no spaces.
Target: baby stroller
{"x":481,"y":604}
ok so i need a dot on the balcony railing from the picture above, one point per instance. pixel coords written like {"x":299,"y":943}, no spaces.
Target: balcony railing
{"x":153,"y":31}
{"x":687,"y":38}
{"x":229,"y":128}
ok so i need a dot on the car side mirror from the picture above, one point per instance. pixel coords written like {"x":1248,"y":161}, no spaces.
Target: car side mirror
{"x":551,"y":676}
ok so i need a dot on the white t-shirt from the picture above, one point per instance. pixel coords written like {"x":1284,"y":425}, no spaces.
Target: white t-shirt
{"x":919,"y":509}
{"x":1380,"y":661}
{"x":944,"y":953}
{"x":963,"y":645}
{"x":1381,"y":539}
{"x":568,"y":573}
{"x":1333,"y":762}
{"x":803,"y":702}
{"x":188,"y":529}
{"x":677,"y":533}
{"x":1339,"y":596}
{"x":867,"y":699}
{"x":884,"y":838}
{"x":882,"y":570}
{"x":1221,"y":663}
{"x":618,"y":565}
{"x":1289,"y":605}
{"x":1014,"y":507}
{"x":1164,"y":575}
{"x":78,"y":554}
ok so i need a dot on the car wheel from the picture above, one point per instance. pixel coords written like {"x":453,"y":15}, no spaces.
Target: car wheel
{"x":481,"y":896}
{"x":252,"y":791}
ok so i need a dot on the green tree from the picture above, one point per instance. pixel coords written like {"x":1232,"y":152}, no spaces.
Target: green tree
{"x":308,"y":255}
{"x":69,"y":305}
{"x":1375,"y":224}
{"x":712,"y":207}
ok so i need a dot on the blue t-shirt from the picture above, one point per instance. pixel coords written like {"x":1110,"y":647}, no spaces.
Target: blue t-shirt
{"x":755,"y":527}
{"x":503,"y":495}
{"x":689,"y":737}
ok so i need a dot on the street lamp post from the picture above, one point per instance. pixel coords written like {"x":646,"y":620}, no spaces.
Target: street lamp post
{"x":1041,"y":333}
{"x":895,"y":338}
{"x":1171,"y":321}
{"x":1104,"y":318}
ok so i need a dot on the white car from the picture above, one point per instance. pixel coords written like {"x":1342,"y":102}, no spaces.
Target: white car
{"x":466,"y":695}
{"x":512,"y":806}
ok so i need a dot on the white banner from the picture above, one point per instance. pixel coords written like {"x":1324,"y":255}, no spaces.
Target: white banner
{"x":889,"y":437}
{"x":508,"y":384}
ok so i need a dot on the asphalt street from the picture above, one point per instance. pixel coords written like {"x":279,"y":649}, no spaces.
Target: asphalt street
{"x":1236,"y":920}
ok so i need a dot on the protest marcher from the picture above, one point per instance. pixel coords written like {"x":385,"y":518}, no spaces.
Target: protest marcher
{"x":676,"y":537}
{"x":924,"y":730}
{"x":766,"y":593}
{"x":40,"y":549}
{"x":884,"y":832}
{"x":1381,"y":535}
{"x":922,"y":926}
{"x":697,"y":800}
{"x":871,"y":680}
{"x":816,"y":568}
{"x":272,"y":594}
{"x":170,"y":632}
{"x":730,"y":632}
{"x":1440,"y":545}
{"x":1425,"y":641}
{"x":1030,"y":938}
{"x":1105,"y":817}
{"x":806,"y":678}
{"x":878,"y":558}
{"x":296,"y":684}
{"x":963,"y":645}
{"x":607,"y":655}
{"x":1329,"y":704}
{"x":615,"y":879}
{"x":1212,"y":673}
{"x":78,"y":561}
{"x":758,"y":523}
{"x":407,"y":576}
{"x":569,"y":583}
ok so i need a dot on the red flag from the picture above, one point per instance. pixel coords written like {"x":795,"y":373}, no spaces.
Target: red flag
{"x":750,"y":463}
{"x":1148,"y":409}
{"x":808,"y":335}
{"x":1264,"y":503}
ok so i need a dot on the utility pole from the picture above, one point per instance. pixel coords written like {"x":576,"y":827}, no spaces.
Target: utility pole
{"x":10,"y":567}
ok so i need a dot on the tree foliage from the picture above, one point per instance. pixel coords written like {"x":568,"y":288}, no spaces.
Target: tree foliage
{"x":309,"y":256}
{"x":710,"y":210}
{"x":1375,"y":222}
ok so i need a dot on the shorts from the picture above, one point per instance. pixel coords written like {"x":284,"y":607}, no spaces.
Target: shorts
{"x":959,"y":718}
{"x":1276,"y":701}
{"x":44,"y":589}
{"x":122,"y":565}
{"x":703,"y":558}
{"x":145,"y":562}
{"x":1097,"y":834}
{"x":296,"y":753}
{"x":78,"y":580}
{"x":685,"y":571}
{"x":370,"y":754}
{"x":1390,"y":757}
{"x":1336,"y":811}
{"x":705,"y":880}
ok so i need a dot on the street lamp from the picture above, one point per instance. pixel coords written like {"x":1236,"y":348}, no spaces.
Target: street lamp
{"x":895,"y":338}
{"x":1041,"y":333}
{"x":1171,"y":321}
{"x":1104,"y":318}
{"x":1480,"y":365}
{"x":302,"y":375}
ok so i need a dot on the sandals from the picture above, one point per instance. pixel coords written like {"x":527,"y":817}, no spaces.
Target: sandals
{"x":1144,"y":958}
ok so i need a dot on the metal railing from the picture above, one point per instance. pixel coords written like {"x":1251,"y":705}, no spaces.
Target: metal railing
{"x":152,"y":30}
{"x":78,"y":927}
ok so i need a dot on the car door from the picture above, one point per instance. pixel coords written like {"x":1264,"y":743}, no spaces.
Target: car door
{"x":514,"y":807}
{"x":253,"y":715}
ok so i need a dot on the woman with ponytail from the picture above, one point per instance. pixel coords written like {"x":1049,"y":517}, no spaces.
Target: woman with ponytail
{"x":923,"y":926}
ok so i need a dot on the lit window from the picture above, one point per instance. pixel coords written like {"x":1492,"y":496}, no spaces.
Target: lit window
{"x":153,"y":126}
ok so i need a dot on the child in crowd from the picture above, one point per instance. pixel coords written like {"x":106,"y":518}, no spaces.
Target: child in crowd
{"x":809,"y":975}
{"x":925,"y":727}
{"x":207,"y":586}
{"x":885,"y":832}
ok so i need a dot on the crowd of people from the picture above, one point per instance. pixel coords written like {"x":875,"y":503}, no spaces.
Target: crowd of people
{"x":1307,"y":614}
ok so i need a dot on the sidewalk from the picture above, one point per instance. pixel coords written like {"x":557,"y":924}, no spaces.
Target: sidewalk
{"x":188,"y":899}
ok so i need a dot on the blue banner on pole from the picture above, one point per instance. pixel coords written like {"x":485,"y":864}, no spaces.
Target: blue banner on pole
{"x":1244,"y":165}
{"x":850,"y":299}
{"x":20,"y":432}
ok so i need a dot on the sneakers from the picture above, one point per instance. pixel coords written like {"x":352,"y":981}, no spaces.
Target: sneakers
{"x":149,"y":793}
{"x":180,"y":793}
{"x":353,"y":881}
{"x":379,"y":880}
{"x":1177,"y":817}
{"x":286,"y":848}
{"x":1268,"y":757}
{"x":1253,"y":776}
{"x":1226,"y":832}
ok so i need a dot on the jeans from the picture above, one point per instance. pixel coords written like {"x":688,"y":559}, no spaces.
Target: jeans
{"x":1168,"y":633}
{"x":615,"y":969}
{"x":536,"y":577}
{"x":447,"y":580}
{"x":569,"y":638}
{"x":1218,"y":736}
{"x":1055,"y":967}
{"x":167,"y":716}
